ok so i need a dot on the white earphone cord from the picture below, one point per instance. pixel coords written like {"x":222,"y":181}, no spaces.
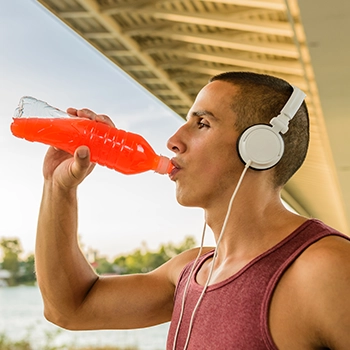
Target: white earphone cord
{"x":246,"y":167}
{"x":187,"y":284}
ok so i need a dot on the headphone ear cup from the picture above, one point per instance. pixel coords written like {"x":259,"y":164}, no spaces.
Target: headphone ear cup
{"x":261,"y":145}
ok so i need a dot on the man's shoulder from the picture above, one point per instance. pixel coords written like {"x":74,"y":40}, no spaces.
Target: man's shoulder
{"x":314,"y":293}
{"x":326,"y":253}
{"x":322,"y":275}
{"x":327,"y":257}
{"x":322,"y":270}
{"x":176,"y":265}
{"x":326,"y":248}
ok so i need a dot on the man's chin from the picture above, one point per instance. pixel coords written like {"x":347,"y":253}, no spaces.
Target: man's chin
{"x":185,"y":201}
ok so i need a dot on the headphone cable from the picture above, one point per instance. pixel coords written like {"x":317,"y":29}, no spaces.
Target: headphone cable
{"x":246,"y":167}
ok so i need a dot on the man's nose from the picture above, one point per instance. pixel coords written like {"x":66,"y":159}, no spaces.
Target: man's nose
{"x":176,"y":142}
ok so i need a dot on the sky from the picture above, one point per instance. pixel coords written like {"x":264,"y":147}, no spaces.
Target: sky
{"x":43,"y":58}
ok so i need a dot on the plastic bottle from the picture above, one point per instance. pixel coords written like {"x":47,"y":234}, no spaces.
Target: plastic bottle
{"x":125,"y":152}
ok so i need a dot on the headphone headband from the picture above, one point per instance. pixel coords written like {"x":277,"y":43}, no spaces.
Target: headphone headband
{"x":280,"y":123}
{"x":263,"y":144}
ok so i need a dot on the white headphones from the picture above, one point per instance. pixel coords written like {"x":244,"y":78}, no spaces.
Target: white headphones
{"x":262,"y":144}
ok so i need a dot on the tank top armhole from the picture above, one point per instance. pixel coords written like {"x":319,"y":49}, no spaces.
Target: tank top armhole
{"x":183,"y":273}
{"x":187,"y":268}
{"x":264,"y":315}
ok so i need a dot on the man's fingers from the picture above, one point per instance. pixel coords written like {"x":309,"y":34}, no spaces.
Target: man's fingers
{"x":80,"y":168}
{"x":105,"y":119}
{"x":83,"y":152}
{"x":72,"y":111}
{"x":86,"y":113}
{"x":89,"y":114}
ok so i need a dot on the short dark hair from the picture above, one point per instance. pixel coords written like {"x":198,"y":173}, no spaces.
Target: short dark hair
{"x":261,"y":97}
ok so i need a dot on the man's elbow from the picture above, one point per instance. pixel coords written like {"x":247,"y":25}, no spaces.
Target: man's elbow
{"x":61,"y":320}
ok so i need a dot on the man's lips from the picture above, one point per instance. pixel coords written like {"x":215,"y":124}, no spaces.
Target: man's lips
{"x":175,"y":170}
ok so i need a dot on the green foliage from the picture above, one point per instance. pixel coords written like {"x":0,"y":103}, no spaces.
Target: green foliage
{"x":11,"y":249}
{"x":6,"y":344}
{"x":22,"y":271}
{"x":143,"y":260}
{"x":24,"y":344}
{"x":140,"y":261}
{"x":27,"y":271}
{"x":106,"y":348}
{"x":103,"y":266}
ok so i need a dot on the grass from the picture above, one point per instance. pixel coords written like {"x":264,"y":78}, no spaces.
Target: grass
{"x":23,"y":344}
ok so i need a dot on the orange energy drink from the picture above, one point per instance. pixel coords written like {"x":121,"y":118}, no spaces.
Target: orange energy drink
{"x":125,"y":152}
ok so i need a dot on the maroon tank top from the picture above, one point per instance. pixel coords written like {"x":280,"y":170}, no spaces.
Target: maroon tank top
{"x":233,"y":313}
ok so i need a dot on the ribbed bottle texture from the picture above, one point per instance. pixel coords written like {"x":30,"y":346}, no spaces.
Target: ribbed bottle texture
{"x":116,"y":149}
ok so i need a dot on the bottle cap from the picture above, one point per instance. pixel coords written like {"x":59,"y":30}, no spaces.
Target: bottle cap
{"x":164,"y":165}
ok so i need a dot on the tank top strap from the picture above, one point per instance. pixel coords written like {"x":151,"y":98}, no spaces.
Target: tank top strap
{"x":309,"y":233}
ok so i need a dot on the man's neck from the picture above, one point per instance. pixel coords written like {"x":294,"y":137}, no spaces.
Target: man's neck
{"x":253,"y":226}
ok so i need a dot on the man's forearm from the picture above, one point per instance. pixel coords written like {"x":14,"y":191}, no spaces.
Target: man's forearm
{"x":64,"y":275}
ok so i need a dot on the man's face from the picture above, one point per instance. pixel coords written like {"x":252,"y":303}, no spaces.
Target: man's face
{"x":208,"y":166}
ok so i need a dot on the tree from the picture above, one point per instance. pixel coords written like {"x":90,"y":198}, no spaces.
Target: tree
{"x":143,"y":260}
{"x":27,"y":271}
{"x":103,"y":266}
{"x":171,"y":250}
{"x":11,"y":250}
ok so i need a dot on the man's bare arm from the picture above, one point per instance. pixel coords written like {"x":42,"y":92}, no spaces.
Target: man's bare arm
{"x":329,"y":287}
{"x":310,"y":308}
{"x":75,"y":297}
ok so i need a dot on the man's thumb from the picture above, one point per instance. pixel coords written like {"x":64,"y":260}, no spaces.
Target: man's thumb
{"x":81,"y":163}
{"x":83,"y":152}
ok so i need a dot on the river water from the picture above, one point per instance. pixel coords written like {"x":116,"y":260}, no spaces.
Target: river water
{"x":21,"y":317}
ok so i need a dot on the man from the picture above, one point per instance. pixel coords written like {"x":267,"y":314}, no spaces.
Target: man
{"x":279,"y":281}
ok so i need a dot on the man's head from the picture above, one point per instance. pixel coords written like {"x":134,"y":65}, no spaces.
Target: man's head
{"x":260,"y":98}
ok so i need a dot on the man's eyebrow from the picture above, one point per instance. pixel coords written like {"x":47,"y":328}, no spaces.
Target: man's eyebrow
{"x":201,"y":113}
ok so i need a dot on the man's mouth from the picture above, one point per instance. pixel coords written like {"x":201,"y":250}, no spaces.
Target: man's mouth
{"x":175,"y":170}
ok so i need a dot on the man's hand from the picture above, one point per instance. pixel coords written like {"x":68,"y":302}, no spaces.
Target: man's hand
{"x":66,"y":170}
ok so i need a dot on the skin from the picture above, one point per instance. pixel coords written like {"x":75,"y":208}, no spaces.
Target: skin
{"x":310,"y":307}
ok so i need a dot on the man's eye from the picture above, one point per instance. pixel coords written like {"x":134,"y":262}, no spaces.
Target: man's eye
{"x":202,"y":124}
